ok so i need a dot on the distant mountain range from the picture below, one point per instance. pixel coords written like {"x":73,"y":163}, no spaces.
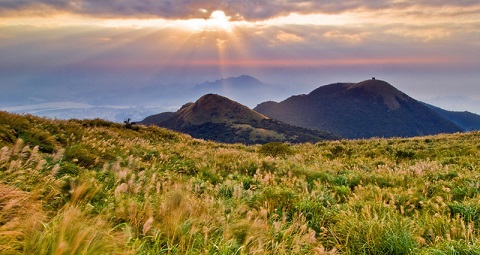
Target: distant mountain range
{"x":218,"y":118}
{"x":372,"y":108}
{"x":246,"y":89}
{"x":141,"y":98}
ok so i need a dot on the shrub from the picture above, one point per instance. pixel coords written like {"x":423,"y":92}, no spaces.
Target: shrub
{"x":275,"y":149}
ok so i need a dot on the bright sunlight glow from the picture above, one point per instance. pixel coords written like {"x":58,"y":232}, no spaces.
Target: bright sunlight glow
{"x":218,"y":21}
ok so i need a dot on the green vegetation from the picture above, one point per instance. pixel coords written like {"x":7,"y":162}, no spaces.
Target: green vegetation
{"x":94,"y":187}
{"x":275,"y":149}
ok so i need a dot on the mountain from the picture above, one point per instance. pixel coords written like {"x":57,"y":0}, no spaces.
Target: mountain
{"x":455,"y":103}
{"x":246,"y":89}
{"x":243,"y":82}
{"x":372,"y":108}
{"x":466,"y":120}
{"x":218,"y":118}
{"x":156,"y":118}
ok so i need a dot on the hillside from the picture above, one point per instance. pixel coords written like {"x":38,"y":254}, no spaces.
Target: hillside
{"x":466,"y":120}
{"x":96,"y":187}
{"x":371,"y":108}
{"x":220,"y":119}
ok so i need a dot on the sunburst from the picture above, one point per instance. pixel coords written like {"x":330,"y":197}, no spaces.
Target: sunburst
{"x":218,"y":21}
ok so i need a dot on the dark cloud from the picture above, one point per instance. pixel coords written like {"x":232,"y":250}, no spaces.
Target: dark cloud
{"x":237,"y":9}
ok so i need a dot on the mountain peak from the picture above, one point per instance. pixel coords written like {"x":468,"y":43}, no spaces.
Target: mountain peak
{"x":216,"y":108}
{"x":389,"y":93}
{"x":246,"y":78}
{"x":235,"y":81}
{"x":359,"y":110}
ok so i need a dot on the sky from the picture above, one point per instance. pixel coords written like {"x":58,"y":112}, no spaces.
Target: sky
{"x":139,"y":52}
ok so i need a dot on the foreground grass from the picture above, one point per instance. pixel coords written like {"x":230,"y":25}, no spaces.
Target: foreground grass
{"x":94,"y":187}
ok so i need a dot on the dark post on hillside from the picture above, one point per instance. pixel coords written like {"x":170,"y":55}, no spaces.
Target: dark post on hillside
{"x":128,"y":123}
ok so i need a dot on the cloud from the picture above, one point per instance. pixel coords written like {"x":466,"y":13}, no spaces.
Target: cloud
{"x":288,"y":37}
{"x":236,"y":9}
{"x":351,"y":37}
{"x":422,"y":34}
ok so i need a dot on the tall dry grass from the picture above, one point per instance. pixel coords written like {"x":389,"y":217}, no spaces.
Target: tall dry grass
{"x":106,"y":189}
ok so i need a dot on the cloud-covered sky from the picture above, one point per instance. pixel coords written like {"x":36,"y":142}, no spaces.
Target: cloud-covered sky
{"x":426,"y":48}
{"x":240,"y":9}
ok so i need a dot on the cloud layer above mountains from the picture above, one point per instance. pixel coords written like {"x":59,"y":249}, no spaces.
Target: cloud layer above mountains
{"x":237,"y":9}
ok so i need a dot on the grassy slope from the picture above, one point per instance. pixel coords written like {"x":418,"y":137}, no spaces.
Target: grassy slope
{"x":93,"y":187}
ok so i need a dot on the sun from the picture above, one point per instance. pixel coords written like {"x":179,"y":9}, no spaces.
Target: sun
{"x":219,"y":21}
{"x":218,"y":16}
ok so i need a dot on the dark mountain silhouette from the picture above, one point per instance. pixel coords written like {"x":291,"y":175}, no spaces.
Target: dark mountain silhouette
{"x":241,"y":82}
{"x":372,"y":108}
{"x":218,"y":118}
{"x":466,"y":120}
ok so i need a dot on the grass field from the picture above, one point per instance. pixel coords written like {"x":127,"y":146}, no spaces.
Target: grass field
{"x":95,"y":187}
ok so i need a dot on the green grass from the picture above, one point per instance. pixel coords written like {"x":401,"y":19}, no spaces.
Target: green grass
{"x":95,"y":187}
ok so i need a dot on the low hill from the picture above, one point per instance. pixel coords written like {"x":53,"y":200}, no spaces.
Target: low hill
{"x":218,"y":118}
{"x":372,"y":108}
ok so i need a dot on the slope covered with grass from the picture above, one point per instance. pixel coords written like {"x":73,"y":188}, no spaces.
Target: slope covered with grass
{"x":94,"y":187}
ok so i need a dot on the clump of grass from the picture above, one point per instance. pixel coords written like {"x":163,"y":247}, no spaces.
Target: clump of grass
{"x":73,"y":231}
{"x":81,"y":155}
{"x":20,"y":216}
{"x":375,"y":230}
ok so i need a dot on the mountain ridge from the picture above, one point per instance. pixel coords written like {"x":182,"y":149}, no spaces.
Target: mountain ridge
{"x":466,"y":120}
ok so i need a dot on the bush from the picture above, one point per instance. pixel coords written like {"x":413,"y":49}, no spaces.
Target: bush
{"x":275,"y":149}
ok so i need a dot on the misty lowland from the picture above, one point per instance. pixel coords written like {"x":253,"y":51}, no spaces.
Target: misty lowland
{"x":99,"y":187}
